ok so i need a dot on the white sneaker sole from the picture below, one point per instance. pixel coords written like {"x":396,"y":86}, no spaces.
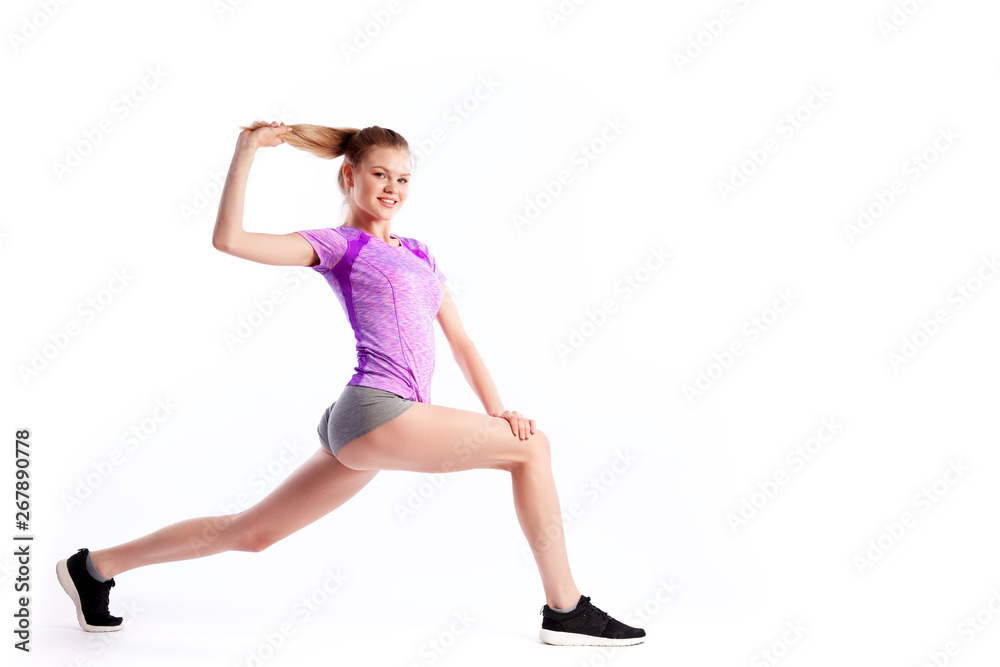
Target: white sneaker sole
{"x":576,"y":639}
{"x":62,"y":571}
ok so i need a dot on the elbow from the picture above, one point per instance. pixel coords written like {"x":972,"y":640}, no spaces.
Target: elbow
{"x":225,"y":234}
{"x":220,"y":244}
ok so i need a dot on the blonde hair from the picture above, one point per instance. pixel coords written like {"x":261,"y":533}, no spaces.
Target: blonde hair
{"x":332,"y":142}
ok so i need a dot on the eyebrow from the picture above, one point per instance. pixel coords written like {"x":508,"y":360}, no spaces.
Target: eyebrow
{"x":388,"y":170}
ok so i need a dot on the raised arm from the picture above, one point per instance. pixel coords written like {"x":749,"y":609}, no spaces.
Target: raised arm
{"x":229,"y":236}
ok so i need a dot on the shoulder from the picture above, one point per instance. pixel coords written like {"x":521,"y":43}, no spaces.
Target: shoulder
{"x":329,"y":243}
{"x":411,"y":243}
{"x":418,"y":248}
{"x":414,"y":244}
{"x":338,"y":237}
{"x":327,"y":232}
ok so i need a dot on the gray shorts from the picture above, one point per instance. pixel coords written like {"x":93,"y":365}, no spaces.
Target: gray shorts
{"x":358,"y":410}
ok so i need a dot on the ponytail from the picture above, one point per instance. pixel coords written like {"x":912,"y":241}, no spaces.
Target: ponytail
{"x":332,"y":142}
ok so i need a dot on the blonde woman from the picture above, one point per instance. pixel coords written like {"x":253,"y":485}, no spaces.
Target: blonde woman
{"x":392,"y":291}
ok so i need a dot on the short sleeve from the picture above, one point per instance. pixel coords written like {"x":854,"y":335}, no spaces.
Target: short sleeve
{"x":328,"y":244}
{"x":433,"y":264}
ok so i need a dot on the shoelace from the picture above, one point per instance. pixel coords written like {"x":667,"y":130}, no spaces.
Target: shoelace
{"x":102,"y":594}
{"x":604,"y":614}
{"x":584,"y":607}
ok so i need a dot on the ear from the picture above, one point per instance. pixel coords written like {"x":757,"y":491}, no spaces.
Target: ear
{"x":348,"y":175}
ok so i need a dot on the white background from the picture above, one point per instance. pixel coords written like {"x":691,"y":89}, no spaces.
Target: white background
{"x":142,"y":200}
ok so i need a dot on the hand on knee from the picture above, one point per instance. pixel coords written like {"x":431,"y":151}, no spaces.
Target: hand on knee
{"x":522,"y":427}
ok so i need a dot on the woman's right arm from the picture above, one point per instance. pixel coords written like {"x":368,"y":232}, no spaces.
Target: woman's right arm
{"x":229,"y":236}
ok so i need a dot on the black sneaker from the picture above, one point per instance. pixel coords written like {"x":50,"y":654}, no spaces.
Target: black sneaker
{"x":88,"y":594}
{"x":586,"y":626}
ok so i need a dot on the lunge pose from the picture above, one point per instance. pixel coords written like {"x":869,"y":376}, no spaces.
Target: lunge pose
{"x":392,"y":290}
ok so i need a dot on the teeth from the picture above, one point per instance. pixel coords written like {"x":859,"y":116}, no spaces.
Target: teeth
{"x":387,"y":201}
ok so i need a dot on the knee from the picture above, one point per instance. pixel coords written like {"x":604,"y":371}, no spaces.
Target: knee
{"x":535,"y":451}
{"x":538,"y":442}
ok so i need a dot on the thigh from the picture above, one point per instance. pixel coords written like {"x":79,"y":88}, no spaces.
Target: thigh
{"x":314,"y":489}
{"x":436,"y":438}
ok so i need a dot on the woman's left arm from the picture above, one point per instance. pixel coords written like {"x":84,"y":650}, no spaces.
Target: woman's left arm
{"x":474,"y":369}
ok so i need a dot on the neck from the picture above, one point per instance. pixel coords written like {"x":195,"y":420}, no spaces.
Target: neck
{"x":376,"y":227}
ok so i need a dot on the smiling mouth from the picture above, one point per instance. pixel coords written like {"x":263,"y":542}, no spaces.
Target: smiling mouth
{"x":387,"y":202}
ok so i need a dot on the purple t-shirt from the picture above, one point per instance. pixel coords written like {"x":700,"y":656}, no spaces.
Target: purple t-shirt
{"x":391,"y":296}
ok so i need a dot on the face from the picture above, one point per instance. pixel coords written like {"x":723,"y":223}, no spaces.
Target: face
{"x":384,"y":175}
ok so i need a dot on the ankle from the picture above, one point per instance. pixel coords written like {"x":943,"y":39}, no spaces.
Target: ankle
{"x":101,"y":565}
{"x":563,"y":601}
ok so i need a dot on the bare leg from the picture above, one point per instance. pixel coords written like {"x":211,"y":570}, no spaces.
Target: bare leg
{"x":315,"y":488}
{"x":435,"y":438}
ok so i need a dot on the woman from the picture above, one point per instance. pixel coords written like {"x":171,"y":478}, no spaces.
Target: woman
{"x":392,"y":291}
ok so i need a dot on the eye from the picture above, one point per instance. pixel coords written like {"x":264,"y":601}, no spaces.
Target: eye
{"x":402,"y":180}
